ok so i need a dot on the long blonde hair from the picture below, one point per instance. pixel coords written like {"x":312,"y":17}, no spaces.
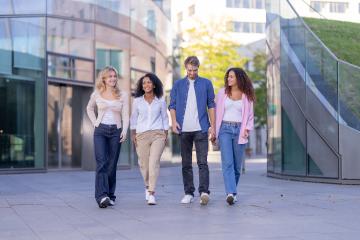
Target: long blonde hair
{"x":100,"y":82}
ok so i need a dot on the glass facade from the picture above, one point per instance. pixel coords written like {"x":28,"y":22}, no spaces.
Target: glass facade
{"x":50,"y":53}
{"x":312,"y":120}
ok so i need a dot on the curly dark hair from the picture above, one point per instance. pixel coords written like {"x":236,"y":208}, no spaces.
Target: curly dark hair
{"x":158,"y":90}
{"x":243,"y":81}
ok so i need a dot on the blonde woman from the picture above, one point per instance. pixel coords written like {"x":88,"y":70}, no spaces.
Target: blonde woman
{"x":149,"y":127}
{"x":111,"y":125}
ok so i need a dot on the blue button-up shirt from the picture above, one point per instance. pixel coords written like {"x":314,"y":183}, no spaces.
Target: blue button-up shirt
{"x":205,"y":96}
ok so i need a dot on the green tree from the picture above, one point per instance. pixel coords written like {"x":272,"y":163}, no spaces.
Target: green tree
{"x":258,"y":76}
{"x":217,"y":52}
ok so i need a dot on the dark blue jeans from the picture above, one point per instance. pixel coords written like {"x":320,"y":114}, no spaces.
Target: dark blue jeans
{"x":107,"y":149}
{"x":201,"y":147}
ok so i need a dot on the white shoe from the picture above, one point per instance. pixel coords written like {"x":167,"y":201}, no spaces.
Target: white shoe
{"x":152,"y":200}
{"x":104,"y":202}
{"x":204,"y":198}
{"x":111,"y":203}
{"x":187,"y":199}
{"x":235,"y":199}
{"x":230,"y":199}
{"x":147,"y":194}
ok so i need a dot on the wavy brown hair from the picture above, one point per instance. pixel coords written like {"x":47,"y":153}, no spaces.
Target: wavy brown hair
{"x":243,"y":82}
{"x":100,"y":82}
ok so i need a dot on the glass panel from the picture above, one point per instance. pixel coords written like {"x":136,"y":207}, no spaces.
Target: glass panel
{"x":22,"y":93}
{"x":323,"y":161}
{"x":349,"y":94}
{"x":114,"y":13}
{"x":71,"y":38}
{"x":321,"y":95}
{"x":59,"y":67}
{"x":293,"y":135}
{"x":83,"y":9}
{"x":22,"y":6}
{"x":66,"y":109}
{"x":83,"y":70}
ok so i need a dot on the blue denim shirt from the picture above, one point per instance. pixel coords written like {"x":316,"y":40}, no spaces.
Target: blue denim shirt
{"x":204,"y":92}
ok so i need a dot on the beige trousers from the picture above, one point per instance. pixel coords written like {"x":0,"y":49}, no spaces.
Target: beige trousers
{"x":150,"y":146}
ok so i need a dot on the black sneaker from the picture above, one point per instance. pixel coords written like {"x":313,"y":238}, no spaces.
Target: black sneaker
{"x":104,"y":202}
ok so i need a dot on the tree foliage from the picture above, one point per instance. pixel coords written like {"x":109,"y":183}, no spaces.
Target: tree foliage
{"x":217,"y":52}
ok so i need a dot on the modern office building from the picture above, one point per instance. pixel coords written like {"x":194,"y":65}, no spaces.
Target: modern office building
{"x":313,"y":101}
{"x":50,"y":53}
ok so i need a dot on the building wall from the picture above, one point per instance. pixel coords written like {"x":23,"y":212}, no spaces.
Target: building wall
{"x":51,"y":52}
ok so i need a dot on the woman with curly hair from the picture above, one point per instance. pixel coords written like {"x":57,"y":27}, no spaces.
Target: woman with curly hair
{"x":149,"y":126}
{"x":111,"y":125}
{"x":234,"y":120}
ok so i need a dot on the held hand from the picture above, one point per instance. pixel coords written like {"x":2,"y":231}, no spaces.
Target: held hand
{"x":212,"y":135}
{"x":176,"y":127}
{"x":122,"y":137}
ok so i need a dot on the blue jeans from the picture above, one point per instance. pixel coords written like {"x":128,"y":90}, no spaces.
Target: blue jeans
{"x":231,"y":155}
{"x":107,"y":149}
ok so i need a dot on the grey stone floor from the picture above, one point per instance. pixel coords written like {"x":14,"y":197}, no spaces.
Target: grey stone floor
{"x":60,"y":205}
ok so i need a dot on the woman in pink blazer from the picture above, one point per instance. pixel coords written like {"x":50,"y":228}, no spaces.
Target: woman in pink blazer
{"x":234,"y":120}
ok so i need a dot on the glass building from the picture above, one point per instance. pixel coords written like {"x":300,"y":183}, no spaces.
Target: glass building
{"x":313,"y":103}
{"x":50,"y":53}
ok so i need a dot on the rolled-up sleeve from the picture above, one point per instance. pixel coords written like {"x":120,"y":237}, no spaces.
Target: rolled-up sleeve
{"x":210,"y":96}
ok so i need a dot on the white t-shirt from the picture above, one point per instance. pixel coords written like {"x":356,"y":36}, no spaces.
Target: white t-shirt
{"x":191,"y":118}
{"x":233,"y":110}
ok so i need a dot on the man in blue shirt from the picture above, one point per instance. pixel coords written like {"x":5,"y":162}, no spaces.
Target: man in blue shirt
{"x":191,"y":105}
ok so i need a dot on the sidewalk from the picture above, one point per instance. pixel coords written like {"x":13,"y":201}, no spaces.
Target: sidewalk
{"x":60,"y":205}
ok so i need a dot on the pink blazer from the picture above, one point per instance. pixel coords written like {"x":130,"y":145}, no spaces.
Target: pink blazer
{"x":247,"y":121}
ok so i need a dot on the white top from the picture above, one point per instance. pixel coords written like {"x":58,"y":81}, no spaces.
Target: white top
{"x":233,"y":110}
{"x":109,"y":117}
{"x":191,"y":118}
{"x":145,"y":116}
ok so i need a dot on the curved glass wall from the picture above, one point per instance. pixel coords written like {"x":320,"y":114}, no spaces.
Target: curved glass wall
{"x":317,"y":106}
{"x":48,"y":65}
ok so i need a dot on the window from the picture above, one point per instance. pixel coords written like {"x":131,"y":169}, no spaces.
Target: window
{"x":153,"y":64}
{"x":258,"y":4}
{"x":191,"y":10}
{"x":246,"y":27}
{"x":70,"y":68}
{"x":316,"y":6}
{"x":151,"y":22}
{"x":338,"y":7}
{"x":106,"y":57}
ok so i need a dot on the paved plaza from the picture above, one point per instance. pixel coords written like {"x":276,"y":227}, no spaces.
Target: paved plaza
{"x":60,"y":205}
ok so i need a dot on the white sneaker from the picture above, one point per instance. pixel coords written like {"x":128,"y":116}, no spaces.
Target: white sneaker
{"x":235,"y":199}
{"x":147,"y":194}
{"x":187,"y":199}
{"x":230,"y":199}
{"x":204,"y":198}
{"x":112,"y":202}
{"x":104,"y":202}
{"x":152,"y":200}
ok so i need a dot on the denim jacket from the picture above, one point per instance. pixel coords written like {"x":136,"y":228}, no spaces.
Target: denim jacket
{"x":204,"y":92}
